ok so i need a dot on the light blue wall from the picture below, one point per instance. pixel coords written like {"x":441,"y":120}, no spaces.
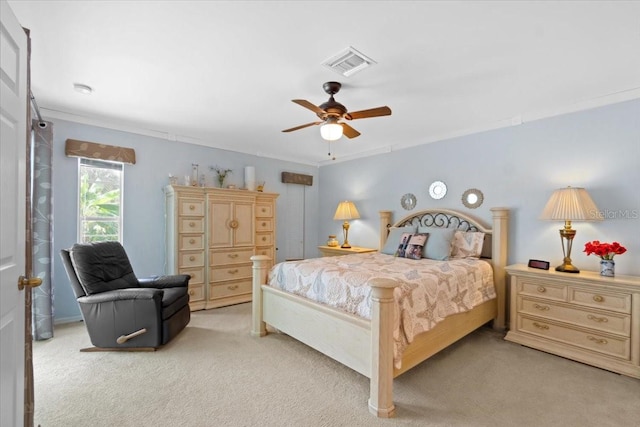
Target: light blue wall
{"x":143,"y":227}
{"x":516,"y":167}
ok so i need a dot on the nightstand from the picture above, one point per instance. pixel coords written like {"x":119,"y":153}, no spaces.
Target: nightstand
{"x":584,"y":316}
{"x":337,"y":250}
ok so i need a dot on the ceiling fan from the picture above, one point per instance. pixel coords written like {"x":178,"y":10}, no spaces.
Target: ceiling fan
{"x":332,"y":112}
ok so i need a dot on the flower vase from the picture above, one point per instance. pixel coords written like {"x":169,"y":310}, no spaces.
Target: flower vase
{"x":607,"y":268}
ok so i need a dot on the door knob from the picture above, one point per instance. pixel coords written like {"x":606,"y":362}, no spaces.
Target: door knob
{"x":34,"y":282}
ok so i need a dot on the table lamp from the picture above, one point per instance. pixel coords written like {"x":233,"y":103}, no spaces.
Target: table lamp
{"x":346,"y":211}
{"x":569,"y":204}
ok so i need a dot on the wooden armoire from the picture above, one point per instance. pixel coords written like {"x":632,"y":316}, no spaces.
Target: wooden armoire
{"x":211,"y":234}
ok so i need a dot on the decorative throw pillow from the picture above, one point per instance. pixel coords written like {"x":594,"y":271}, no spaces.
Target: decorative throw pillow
{"x":438,"y":245}
{"x":391,"y":245}
{"x":402,"y":246}
{"x":467,"y":244}
{"x":415,"y":246}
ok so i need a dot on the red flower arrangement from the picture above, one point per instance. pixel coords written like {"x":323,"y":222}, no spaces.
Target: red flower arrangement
{"x":604,"y":250}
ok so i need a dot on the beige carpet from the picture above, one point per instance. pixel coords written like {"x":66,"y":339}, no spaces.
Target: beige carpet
{"x":215,"y":374}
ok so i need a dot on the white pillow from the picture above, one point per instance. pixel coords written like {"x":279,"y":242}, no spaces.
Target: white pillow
{"x":467,"y":244}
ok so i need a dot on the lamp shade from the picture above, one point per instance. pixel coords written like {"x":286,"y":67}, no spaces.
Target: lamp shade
{"x":571,"y":204}
{"x":345,"y":211}
{"x":331,"y":130}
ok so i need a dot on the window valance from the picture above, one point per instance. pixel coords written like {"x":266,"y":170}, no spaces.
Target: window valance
{"x":93,"y":150}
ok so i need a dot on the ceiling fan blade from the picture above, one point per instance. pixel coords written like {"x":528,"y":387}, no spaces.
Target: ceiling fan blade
{"x":310,"y":106}
{"x":348,"y":131}
{"x":373,"y":112}
{"x":302,"y":126}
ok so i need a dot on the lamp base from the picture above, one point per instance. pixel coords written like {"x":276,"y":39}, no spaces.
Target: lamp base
{"x":567,"y":268}
{"x":345,"y":246}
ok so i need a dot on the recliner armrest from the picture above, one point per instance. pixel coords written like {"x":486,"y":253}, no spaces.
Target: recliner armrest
{"x":122,"y":294}
{"x":160,"y":282}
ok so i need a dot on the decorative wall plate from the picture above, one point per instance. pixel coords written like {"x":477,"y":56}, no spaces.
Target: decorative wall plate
{"x":437,"y":189}
{"x":472,"y":198}
{"x":408,"y":201}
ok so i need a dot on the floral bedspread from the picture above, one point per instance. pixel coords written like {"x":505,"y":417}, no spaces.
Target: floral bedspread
{"x":429,"y":290}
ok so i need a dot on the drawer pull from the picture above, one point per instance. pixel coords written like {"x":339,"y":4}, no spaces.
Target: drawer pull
{"x":192,"y":258}
{"x":232,"y":255}
{"x":597,"y":319}
{"x":598,"y":298}
{"x":191,"y":207}
{"x":541,"y":307}
{"x":192,"y":241}
{"x":233,"y":224}
{"x":264,"y":238}
{"x":192,"y":224}
{"x":264,"y":210}
{"x":191,"y":292}
{"x":597,"y":340}
{"x":232,"y":287}
{"x":539,"y":326}
{"x":234,"y":271}
{"x":264,"y":224}
{"x":542,"y":289}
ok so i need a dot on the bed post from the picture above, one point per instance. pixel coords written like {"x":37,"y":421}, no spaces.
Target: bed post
{"x":385,"y":223}
{"x":499,"y":255}
{"x":382,"y":314}
{"x":260,"y":269}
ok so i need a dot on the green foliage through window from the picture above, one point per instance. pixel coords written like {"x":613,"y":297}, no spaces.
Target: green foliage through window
{"x":100,"y":201}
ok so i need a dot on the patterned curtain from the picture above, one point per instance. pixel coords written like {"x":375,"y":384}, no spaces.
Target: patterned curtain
{"x":42,"y":224}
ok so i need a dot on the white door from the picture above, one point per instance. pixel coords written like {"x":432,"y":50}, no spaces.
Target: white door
{"x":13,"y":138}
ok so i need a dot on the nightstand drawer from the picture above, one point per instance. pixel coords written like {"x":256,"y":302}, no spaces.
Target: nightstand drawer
{"x":600,"y":320}
{"x":619,"y":347}
{"x":542,"y":289}
{"x":619,"y":302}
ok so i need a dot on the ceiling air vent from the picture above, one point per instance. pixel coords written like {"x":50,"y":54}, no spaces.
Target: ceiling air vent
{"x":348,"y":62}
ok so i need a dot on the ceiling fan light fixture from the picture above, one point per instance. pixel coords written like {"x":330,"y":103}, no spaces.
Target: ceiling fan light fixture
{"x":331,"y":130}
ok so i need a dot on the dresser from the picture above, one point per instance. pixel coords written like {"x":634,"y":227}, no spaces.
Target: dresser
{"x":211,"y":234}
{"x":337,"y":250}
{"x":583,"y":316}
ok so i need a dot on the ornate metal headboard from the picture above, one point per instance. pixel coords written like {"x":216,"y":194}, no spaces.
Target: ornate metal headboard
{"x":443,"y":218}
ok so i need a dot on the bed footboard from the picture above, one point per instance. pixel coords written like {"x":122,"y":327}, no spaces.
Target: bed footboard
{"x":365,"y":346}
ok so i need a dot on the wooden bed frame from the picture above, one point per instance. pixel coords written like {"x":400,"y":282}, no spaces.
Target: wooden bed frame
{"x":364,"y":345}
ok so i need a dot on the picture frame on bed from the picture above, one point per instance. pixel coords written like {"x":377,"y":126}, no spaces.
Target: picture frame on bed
{"x":367,"y":345}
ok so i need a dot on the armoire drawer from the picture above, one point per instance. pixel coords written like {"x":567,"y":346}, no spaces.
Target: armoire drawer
{"x":191,"y":207}
{"x":231,"y":256}
{"x":264,"y":239}
{"x":197,"y":274}
{"x":191,"y":225}
{"x":264,"y":211}
{"x":230,"y":272}
{"x":230,"y":289}
{"x":191,"y":242}
{"x":264,"y":224}
{"x":191,"y":259}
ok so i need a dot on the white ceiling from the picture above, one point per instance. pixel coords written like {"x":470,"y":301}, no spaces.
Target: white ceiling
{"x":223,"y":73}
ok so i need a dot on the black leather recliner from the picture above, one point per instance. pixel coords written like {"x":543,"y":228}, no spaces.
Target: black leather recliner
{"x":120,"y":310}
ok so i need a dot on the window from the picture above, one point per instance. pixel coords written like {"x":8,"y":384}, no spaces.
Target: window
{"x":100,"y":204}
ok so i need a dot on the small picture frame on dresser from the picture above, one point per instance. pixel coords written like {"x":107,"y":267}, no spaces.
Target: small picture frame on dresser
{"x":536,"y":263}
